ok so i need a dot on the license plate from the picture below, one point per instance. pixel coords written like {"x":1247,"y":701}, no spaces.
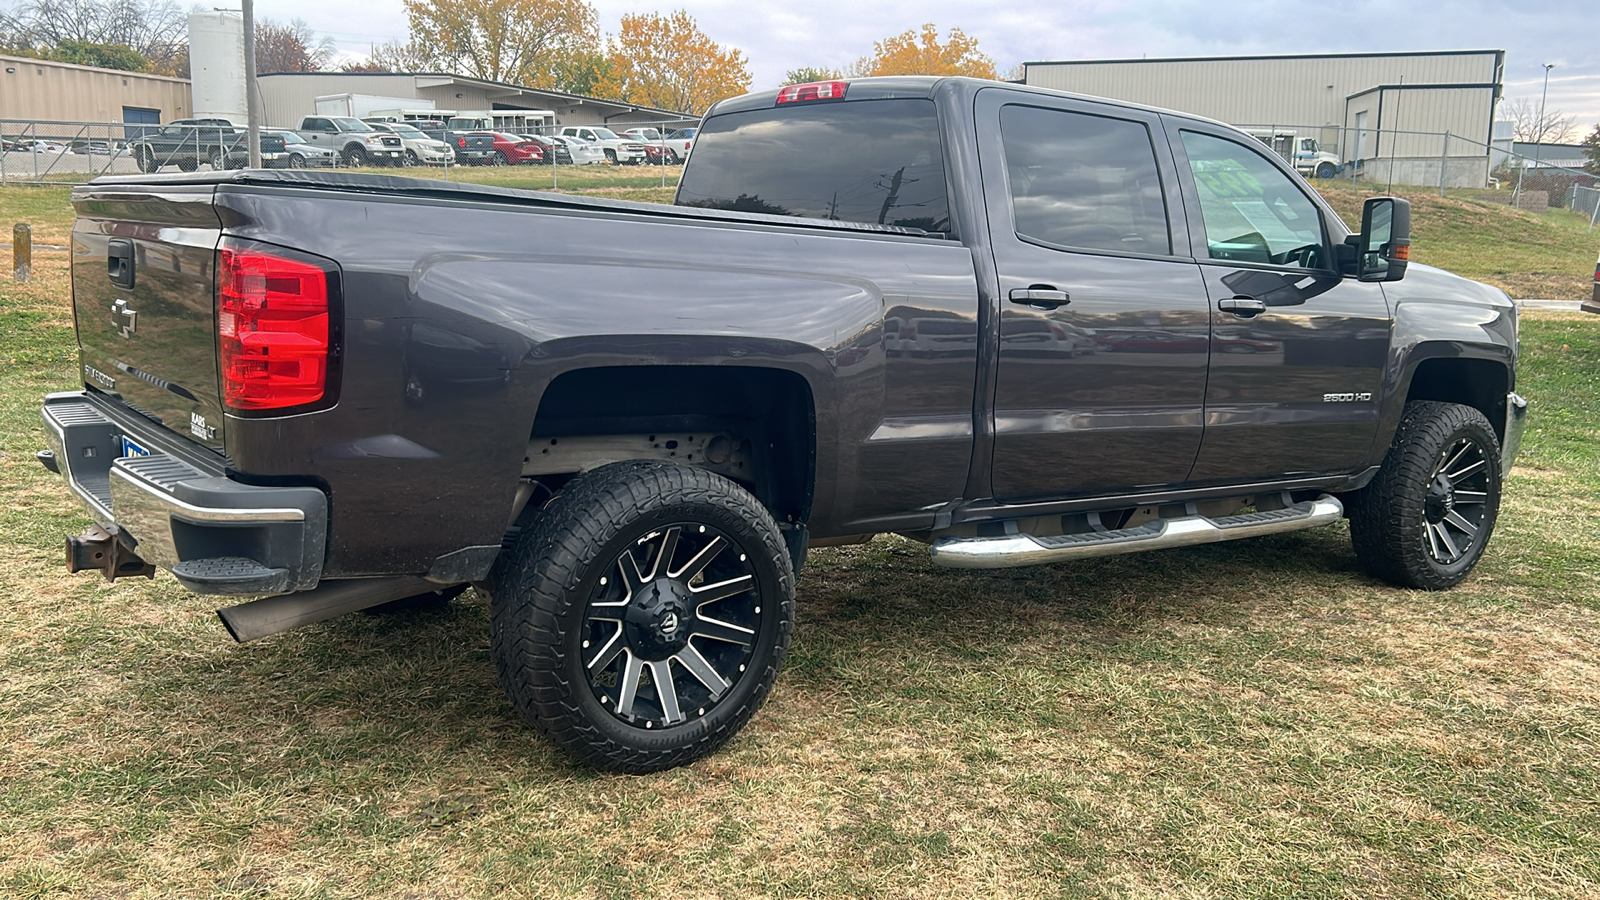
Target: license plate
{"x":131,"y":447}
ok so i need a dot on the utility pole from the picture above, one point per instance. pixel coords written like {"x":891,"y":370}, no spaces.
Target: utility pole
{"x":1538,"y":135}
{"x":251,"y":112}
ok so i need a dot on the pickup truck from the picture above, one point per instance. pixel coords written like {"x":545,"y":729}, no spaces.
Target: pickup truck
{"x":470,"y":148}
{"x":619,"y":150}
{"x":186,"y":143}
{"x":356,"y":142}
{"x":1021,"y":326}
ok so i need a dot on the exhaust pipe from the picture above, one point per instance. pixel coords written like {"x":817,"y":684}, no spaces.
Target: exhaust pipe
{"x":270,"y":615}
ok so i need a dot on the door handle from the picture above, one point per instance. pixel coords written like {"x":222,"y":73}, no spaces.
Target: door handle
{"x":1243,"y":307}
{"x":119,"y":263}
{"x":1039,"y":296}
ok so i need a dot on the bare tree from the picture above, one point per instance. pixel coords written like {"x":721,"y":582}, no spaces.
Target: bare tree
{"x":1523,"y":114}
{"x":291,"y":48}
{"x":412,"y":56}
{"x":156,"y":29}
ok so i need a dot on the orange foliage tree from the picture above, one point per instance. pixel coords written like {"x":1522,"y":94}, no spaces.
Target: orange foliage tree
{"x":529,"y":42}
{"x":669,"y":63}
{"x":906,"y":54}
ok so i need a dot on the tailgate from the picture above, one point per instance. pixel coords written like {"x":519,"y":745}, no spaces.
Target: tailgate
{"x":143,"y":281}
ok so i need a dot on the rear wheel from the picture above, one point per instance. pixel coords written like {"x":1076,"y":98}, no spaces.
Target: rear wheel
{"x":499,"y":159}
{"x":1326,"y":170}
{"x":642,"y":619}
{"x":1426,"y":517}
{"x":188,"y":164}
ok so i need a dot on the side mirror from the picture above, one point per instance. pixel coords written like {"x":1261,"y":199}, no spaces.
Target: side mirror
{"x":1384,"y":244}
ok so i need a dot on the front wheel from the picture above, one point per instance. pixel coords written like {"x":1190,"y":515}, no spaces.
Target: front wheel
{"x":643,"y":617}
{"x":412,"y":159}
{"x":296,"y":161}
{"x":1426,"y":517}
{"x":146,"y":159}
{"x":355,"y":156}
{"x":611,"y":157}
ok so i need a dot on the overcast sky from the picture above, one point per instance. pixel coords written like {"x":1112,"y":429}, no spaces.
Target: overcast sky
{"x":777,"y":37}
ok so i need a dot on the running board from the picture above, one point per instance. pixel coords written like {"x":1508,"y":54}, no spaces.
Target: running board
{"x":1010,"y":550}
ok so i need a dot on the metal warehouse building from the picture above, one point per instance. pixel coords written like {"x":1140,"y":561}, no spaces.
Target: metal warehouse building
{"x":43,"y":90}
{"x":287,"y":96}
{"x":1411,"y":116}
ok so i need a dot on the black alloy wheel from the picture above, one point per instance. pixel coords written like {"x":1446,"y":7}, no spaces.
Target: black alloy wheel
{"x":641,"y":619}
{"x":1426,"y":517}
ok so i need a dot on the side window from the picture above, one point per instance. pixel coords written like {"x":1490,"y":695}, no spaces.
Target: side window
{"x":1084,"y":181}
{"x":1252,"y":211}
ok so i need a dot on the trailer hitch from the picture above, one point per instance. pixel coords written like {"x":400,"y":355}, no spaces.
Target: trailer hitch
{"x":100,"y":550}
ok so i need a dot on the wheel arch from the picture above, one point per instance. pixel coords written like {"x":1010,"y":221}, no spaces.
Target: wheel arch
{"x":773,"y":409}
{"x":1481,"y":382}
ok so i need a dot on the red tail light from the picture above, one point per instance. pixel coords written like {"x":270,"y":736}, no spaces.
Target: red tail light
{"x":1597,"y":270}
{"x":816,"y":90}
{"x":272,"y":329}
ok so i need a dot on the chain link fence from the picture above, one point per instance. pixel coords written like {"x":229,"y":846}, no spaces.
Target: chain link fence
{"x":60,"y":152}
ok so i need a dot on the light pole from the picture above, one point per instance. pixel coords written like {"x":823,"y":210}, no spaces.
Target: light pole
{"x":252,"y":112}
{"x":1538,"y":136}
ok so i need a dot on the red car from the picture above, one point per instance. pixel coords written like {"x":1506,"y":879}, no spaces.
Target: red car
{"x":513,"y":150}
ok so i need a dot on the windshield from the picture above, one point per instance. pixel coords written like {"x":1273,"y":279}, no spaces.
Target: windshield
{"x":289,"y":137}
{"x":875,"y":161}
{"x":605,"y":134}
{"x":350,"y":124}
{"x":407,"y":130}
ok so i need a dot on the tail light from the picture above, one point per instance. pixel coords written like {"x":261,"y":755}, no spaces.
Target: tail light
{"x":273,"y":329}
{"x":1597,"y":271}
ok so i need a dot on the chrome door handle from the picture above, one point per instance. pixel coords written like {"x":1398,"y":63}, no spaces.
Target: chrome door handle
{"x":1244,"y":307}
{"x":1039,"y":297}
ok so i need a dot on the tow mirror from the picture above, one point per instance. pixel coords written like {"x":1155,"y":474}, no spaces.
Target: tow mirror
{"x":1384,"y":244}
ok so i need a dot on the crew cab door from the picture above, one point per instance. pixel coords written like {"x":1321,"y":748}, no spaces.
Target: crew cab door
{"x":1104,"y":325}
{"x":1297,"y":350}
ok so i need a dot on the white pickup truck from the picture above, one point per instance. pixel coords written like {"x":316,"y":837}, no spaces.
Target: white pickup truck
{"x":619,"y":150}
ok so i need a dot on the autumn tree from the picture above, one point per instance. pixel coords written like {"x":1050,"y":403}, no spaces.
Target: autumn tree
{"x":156,"y":30}
{"x":914,"y":54}
{"x":291,"y":48}
{"x":669,"y":63}
{"x":808,"y":74}
{"x":1528,"y":126}
{"x":519,"y":41}
{"x":394,"y":56}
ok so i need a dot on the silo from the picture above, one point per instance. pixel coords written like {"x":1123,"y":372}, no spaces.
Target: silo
{"x":216,"y":64}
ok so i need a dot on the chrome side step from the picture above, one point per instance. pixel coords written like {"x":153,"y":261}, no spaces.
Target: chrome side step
{"x":1010,"y":550}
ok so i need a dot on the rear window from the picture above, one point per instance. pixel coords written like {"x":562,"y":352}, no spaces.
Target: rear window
{"x":874,"y":161}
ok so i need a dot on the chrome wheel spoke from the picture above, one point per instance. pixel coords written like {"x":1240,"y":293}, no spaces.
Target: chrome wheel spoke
{"x":1466,"y":447}
{"x":722,"y":590}
{"x":628,"y":569}
{"x":1444,"y":538}
{"x":663,"y":560}
{"x":1470,"y":470}
{"x":1471,"y":497}
{"x":608,"y":651}
{"x":1461,"y":522}
{"x":661,"y":677}
{"x":691,"y":658}
{"x":630,"y":684}
{"x":716,"y":629}
{"x":1433,"y":540}
{"x":699,"y":561}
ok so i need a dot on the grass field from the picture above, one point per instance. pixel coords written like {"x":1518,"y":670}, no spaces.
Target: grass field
{"x":1252,"y":719}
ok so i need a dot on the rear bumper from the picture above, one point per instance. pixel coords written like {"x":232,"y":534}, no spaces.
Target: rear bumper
{"x":177,"y":508}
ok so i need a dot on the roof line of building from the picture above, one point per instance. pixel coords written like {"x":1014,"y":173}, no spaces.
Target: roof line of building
{"x":1266,"y":56}
{"x":1485,"y":85}
{"x":467,"y":79}
{"x":34,"y":61}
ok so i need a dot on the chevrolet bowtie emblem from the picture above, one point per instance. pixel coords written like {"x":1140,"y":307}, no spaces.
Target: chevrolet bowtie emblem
{"x":124,"y":318}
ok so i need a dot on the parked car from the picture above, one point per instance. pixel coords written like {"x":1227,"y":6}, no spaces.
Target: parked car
{"x":618,"y":150}
{"x":680,"y":142}
{"x":555,"y":152}
{"x":625,"y":423}
{"x":470,"y":147}
{"x":356,"y":142}
{"x":583,"y":153}
{"x":42,"y":146}
{"x":300,"y":153}
{"x":421,"y":150}
{"x":513,"y":150}
{"x":186,"y":143}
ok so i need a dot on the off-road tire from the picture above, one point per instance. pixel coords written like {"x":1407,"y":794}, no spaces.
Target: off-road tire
{"x":1390,"y":517}
{"x":547,"y":585}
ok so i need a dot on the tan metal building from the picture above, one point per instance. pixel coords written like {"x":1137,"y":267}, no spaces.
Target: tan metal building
{"x":288,"y":96}
{"x":1379,"y":111}
{"x":34,"y":90}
